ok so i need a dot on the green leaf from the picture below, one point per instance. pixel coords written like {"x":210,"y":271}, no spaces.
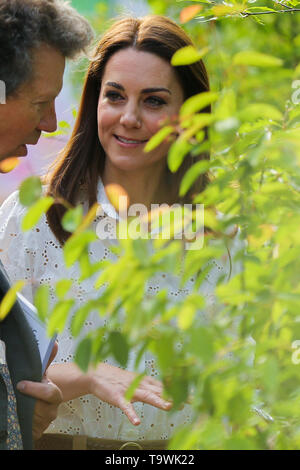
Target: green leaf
{"x":57,"y":133}
{"x":80,"y":317}
{"x":62,"y":287}
{"x":258,"y":9}
{"x":197,"y":102}
{"x":257,"y":19}
{"x":295,"y":113}
{"x":133,"y":386}
{"x":227,"y":105}
{"x":41,"y":301}
{"x":253,"y":126}
{"x":188,"y":55}
{"x":194,"y":125}
{"x":158,"y":138}
{"x":10,"y":298}
{"x":88,"y":269}
{"x":59,"y":316}
{"x":257,"y":59}
{"x":201,"y":344}
{"x":140,"y":249}
{"x":75,"y":246}
{"x":119,"y":347}
{"x":270,"y":374}
{"x":227,"y":125}
{"x":239,"y":443}
{"x":83,"y":354}
{"x":186,"y":316}
{"x":192,"y":174}
{"x":260,"y":111}
{"x":30,"y":191}
{"x":35,"y":212}
{"x":164,"y":349}
{"x":178,"y":390}
{"x":72,"y":219}
{"x":226,"y":10}
{"x":64,"y":125}
{"x":232,"y":292}
{"x":177,"y":152}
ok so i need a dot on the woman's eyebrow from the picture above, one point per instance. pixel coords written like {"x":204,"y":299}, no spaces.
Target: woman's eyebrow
{"x":155,"y":90}
{"x":145,"y":90}
{"x":115,"y":85}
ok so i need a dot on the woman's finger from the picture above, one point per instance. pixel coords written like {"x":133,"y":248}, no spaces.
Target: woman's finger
{"x":150,"y":398}
{"x":129,"y":411}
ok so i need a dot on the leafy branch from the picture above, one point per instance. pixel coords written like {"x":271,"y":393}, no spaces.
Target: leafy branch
{"x":289,"y":10}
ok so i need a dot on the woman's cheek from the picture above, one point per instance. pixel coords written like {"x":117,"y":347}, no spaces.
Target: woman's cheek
{"x":155,"y":124}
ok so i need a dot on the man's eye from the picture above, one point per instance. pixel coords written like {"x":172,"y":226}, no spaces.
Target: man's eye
{"x":113,"y":96}
{"x":155,"y":101}
{"x":42,"y":103}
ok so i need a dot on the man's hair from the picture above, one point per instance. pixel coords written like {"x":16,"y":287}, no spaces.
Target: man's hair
{"x":26,"y":24}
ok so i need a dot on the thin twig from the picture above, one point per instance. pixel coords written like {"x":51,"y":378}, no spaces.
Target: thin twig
{"x":269,"y":12}
{"x":284,"y":5}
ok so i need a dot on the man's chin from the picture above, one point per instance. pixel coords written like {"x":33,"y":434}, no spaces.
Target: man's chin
{"x":21,"y":151}
{"x":9,"y":164}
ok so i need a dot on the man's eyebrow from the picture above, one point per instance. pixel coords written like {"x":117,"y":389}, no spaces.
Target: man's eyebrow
{"x":46,"y":97}
{"x":145,"y":90}
{"x":49,"y":95}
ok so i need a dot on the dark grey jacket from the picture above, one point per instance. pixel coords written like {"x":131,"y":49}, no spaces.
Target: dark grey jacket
{"x":24,"y":363}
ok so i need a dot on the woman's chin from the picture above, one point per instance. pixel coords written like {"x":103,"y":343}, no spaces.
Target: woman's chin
{"x":125,"y":163}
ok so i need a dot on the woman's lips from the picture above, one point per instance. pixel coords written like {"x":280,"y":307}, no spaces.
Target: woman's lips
{"x":129,"y":143}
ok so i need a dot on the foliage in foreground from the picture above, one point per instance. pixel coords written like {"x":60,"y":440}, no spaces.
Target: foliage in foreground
{"x":239,"y":370}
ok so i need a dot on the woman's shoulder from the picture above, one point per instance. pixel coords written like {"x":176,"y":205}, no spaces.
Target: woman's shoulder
{"x":13,"y":201}
{"x":11,"y":208}
{"x":12,"y":212}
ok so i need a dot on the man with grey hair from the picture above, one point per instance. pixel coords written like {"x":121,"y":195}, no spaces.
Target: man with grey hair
{"x":36,"y":36}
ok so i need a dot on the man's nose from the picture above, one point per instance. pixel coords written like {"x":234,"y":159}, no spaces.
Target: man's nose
{"x":48,"y":123}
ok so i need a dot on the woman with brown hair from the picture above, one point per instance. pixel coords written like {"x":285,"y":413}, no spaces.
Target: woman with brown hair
{"x":130,"y":90}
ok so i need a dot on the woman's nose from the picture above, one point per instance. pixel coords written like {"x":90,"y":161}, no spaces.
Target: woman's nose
{"x":131,"y":117}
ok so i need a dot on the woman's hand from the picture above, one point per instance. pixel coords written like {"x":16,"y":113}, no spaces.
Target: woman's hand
{"x":109,"y":383}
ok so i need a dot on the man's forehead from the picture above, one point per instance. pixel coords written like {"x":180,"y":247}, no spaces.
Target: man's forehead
{"x":47,"y":74}
{"x":40,"y":88}
{"x":46,"y":89}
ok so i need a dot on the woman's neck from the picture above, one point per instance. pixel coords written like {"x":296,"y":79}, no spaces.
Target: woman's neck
{"x":145,"y":186}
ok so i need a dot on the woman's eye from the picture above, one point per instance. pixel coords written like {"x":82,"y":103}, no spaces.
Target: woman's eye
{"x":113,"y":96}
{"x":155,"y":101}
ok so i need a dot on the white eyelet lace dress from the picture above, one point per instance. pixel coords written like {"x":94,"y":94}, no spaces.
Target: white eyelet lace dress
{"x":36,"y":256}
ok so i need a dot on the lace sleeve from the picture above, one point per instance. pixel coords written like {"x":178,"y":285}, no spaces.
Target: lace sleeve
{"x":15,"y":245}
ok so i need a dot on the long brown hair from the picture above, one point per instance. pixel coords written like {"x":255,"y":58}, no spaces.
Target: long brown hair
{"x":82,"y":160}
